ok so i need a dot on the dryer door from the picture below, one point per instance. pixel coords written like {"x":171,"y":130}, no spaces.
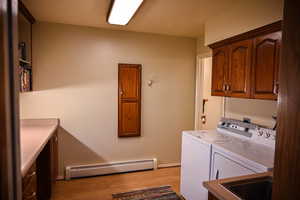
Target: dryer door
{"x":224,"y":167}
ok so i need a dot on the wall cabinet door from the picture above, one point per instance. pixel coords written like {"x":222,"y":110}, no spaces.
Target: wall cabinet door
{"x":265,"y":66}
{"x":246,"y":65}
{"x":239,"y":69}
{"x":219,"y":71}
{"x":129,"y":100}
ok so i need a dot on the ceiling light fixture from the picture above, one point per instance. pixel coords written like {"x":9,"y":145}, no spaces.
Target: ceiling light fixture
{"x":122,"y":11}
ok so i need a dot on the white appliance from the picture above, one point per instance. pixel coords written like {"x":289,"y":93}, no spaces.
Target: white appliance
{"x":235,"y":148}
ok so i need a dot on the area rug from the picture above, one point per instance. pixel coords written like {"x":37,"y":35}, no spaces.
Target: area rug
{"x":157,"y":193}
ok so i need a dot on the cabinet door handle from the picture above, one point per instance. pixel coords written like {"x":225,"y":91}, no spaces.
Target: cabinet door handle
{"x":217,"y":175}
{"x":228,"y":87}
{"x":276,"y":88}
{"x":31,"y":196}
{"x":224,"y":87}
{"x":32,"y":174}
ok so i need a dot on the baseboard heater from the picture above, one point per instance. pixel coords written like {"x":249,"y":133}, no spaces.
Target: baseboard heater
{"x":80,"y":171}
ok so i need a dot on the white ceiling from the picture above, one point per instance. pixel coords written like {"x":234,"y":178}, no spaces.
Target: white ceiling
{"x":171,"y":17}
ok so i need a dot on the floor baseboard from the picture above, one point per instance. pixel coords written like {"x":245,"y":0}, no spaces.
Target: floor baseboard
{"x":167,"y":165}
{"x":160,"y":166}
{"x":60,"y":178}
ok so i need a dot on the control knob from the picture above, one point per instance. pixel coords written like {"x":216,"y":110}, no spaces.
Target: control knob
{"x":267,"y":135}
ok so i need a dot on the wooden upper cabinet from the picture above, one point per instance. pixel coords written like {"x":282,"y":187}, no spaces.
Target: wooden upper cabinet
{"x":246,"y":65}
{"x":129,"y":115}
{"x":265,"y":66}
{"x":219,"y":71}
{"x":239,"y":69}
{"x":129,"y":81}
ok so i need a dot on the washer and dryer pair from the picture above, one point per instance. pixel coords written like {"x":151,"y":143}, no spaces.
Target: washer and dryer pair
{"x":235,"y":148}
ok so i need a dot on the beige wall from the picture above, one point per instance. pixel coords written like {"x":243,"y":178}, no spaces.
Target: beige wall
{"x":201,"y":48}
{"x":242,"y":16}
{"x":259,"y":111}
{"x":75,"y":79}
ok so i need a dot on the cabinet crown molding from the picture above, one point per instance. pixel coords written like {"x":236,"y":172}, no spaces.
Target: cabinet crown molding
{"x":270,"y":28}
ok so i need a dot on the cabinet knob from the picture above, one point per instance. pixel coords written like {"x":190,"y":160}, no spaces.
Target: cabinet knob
{"x":276,"y":88}
{"x":31,"y":196}
{"x":228,"y":87}
{"x":32,"y":174}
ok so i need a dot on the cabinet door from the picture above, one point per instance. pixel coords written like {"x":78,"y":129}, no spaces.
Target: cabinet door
{"x":265,"y":66}
{"x":54,"y":157}
{"x":219,"y":71}
{"x":239,"y":69}
{"x":212,"y":197}
{"x":29,"y":184}
{"x":129,"y":100}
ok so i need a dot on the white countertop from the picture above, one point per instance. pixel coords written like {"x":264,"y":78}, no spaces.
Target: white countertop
{"x":34,"y":135}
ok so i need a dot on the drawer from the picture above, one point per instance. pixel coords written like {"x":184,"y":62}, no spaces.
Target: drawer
{"x":31,"y":174}
{"x":29,"y":183}
{"x":32,"y":196}
{"x":30,"y":188}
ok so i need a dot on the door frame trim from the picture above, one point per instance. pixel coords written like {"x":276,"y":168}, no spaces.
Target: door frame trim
{"x":199,"y":90}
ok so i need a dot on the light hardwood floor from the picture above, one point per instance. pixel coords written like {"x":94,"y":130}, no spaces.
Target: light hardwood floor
{"x":102,"y":187}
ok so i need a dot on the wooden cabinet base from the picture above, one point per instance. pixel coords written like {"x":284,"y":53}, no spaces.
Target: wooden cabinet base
{"x":211,"y":197}
{"x":44,"y":188}
{"x":39,"y":181}
{"x":29,"y":184}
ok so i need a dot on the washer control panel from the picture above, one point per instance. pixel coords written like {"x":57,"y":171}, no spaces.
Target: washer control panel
{"x":254,"y":132}
{"x":264,"y":136}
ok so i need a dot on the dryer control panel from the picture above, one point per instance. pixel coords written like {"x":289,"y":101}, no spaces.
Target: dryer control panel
{"x":254,"y":132}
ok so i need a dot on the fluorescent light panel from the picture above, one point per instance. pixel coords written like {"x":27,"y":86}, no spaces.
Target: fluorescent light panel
{"x":123,"y":10}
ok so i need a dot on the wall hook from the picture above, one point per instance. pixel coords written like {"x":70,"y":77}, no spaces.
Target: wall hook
{"x":149,"y":83}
